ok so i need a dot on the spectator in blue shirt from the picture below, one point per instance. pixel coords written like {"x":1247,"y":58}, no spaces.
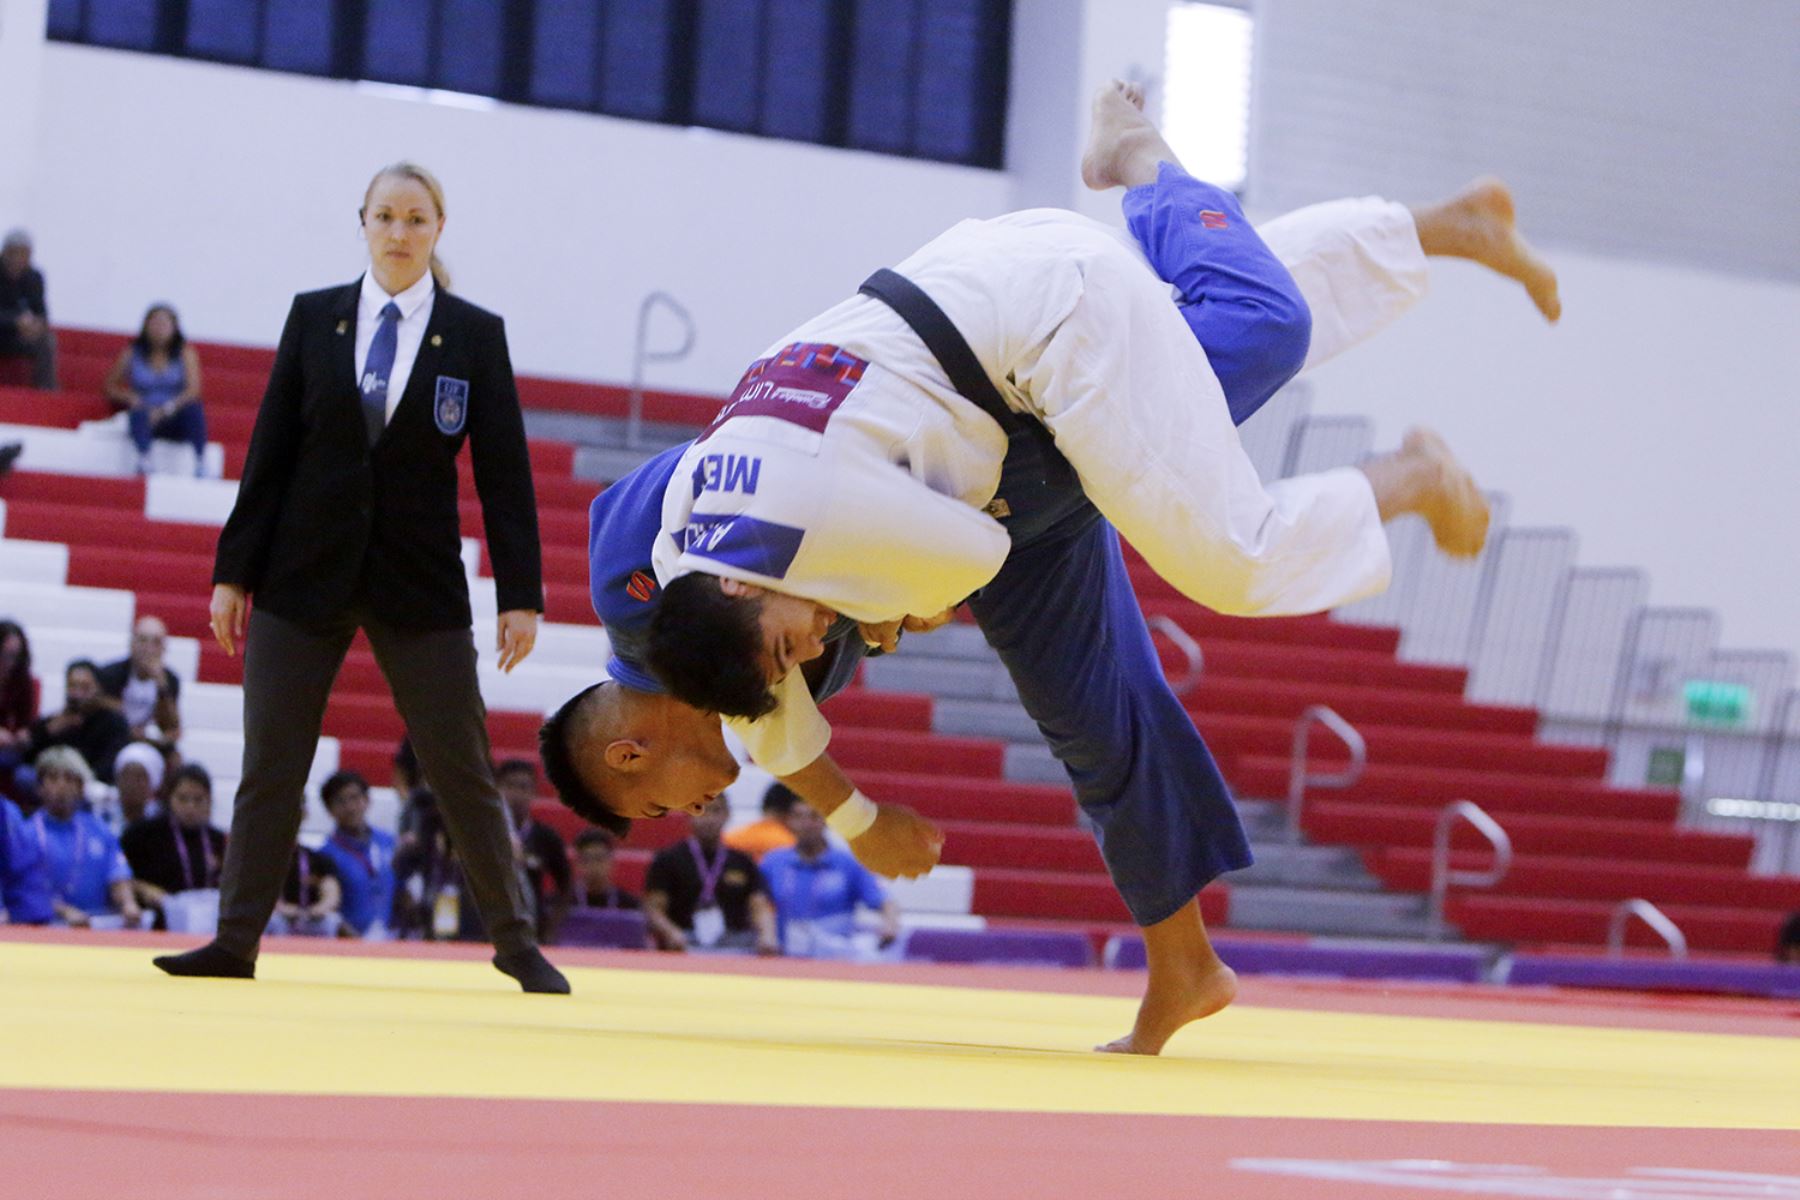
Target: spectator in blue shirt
{"x":88,"y":874}
{"x":364,"y":856}
{"x":24,"y":883}
{"x":817,"y":888}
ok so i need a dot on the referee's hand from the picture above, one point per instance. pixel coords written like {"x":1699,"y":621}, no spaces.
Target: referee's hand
{"x":517,"y":635}
{"x":227,"y":614}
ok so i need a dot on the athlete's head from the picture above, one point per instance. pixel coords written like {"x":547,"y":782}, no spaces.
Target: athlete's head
{"x":719,"y":644}
{"x":615,"y":755}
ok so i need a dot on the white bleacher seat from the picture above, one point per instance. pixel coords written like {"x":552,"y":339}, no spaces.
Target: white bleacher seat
{"x":111,"y":439}
{"x":558,"y":644}
{"x":184,"y":498}
{"x":213,"y":706}
{"x":45,"y":563}
{"x":34,"y":605}
{"x":530,"y":688}
{"x":2,"y":517}
{"x":946,"y":890}
{"x":94,"y":449}
{"x":221,"y":752}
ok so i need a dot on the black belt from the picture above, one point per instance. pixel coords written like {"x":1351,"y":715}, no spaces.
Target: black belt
{"x":1032,"y":460}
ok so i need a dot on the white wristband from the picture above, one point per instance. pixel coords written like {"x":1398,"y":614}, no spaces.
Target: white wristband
{"x":852,"y":818}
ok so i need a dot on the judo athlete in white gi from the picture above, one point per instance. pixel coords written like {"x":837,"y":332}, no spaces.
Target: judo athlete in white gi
{"x":849,"y":476}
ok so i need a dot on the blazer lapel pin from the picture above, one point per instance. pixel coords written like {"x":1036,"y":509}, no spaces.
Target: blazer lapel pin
{"x":437,"y":339}
{"x":343,"y":327}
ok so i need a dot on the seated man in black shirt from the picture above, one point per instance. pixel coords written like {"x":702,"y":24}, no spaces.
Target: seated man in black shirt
{"x":180,"y":852}
{"x":594,"y":886}
{"x":546,"y":854}
{"x":311,"y":897}
{"x":703,"y":895}
{"x":86,"y":722}
{"x":24,"y":317}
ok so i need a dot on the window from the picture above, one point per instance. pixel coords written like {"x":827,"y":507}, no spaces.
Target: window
{"x":1206,"y":98}
{"x":920,"y":78}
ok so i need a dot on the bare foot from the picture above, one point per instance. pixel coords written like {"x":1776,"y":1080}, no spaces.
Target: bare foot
{"x":1123,"y":147}
{"x":1477,"y":224}
{"x":1449,"y":501}
{"x":1170,"y":1004}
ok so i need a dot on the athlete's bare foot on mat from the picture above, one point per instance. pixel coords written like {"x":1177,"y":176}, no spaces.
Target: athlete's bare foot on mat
{"x":1477,"y":224}
{"x":1123,"y":148}
{"x":1171,"y":1003}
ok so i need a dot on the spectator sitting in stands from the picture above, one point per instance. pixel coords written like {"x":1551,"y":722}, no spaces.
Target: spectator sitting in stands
{"x":24,"y":317}
{"x":594,"y":886}
{"x":24,"y":881}
{"x":771,"y":832}
{"x":9,"y":454}
{"x":431,"y":898}
{"x":363,"y":856}
{"x":89,"y":877}
{"x":415,"y":798}
{"x":181,"y":852}
{"x":546,"y":855}
{"x":156,"y":379}
{"x":1787,"y":946}
{"x":18,"y":702}
{"x":817,"y":888}
{"x":137,"y":779}
{"x":86,"y":722}
{"x":142,"y":688}
{"x":311,"y":898}
{"x":701,"y":894}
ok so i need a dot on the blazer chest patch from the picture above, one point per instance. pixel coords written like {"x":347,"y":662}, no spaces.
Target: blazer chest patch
{"x":451,"y":409}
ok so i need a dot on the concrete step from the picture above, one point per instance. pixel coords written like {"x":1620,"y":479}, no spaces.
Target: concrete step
{"x":1327,"y":910}
{"x":606,"y":432}
{"x":1281,"y":864}
{"x":1002,"y":719}
{"x":945,"y":678}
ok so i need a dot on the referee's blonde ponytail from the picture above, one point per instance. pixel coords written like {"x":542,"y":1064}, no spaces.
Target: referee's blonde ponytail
{"x":440,"y":274}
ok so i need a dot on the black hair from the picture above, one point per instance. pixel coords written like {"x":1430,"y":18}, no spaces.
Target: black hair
{"x":706,"y":648}
{"x":595,"y":837}
{"x":779,"y":799}
{"x":81,"y":664}
{"x":17,"y":697}
{"x":338,"y":781}
{"x":512,"y":765}
{"x":407,"y":762}
{"x":559,"y":769}
{"x":190,"y":773}
{"x":141,"y":343}
{"x":1790,"y":935}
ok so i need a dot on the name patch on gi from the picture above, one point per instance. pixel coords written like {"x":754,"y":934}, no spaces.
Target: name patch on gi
{"x":803,"y":384}
{"x":451,"y":409}
{"x":761,"y":547}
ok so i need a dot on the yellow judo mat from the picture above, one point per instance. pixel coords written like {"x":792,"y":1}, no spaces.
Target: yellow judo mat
{"x":100,"y":1018}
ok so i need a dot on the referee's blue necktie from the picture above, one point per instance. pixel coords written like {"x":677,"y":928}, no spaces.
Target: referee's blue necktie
{"x":376,"y":369}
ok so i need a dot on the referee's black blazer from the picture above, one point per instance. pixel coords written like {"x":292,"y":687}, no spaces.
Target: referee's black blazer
{"x":323,"y":522}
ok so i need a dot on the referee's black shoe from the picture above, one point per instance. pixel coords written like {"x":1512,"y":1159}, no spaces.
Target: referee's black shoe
{"x":211,"y":961}
{"x":533,"y":971}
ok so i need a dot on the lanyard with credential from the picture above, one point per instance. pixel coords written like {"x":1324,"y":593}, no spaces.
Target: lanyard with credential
{"x":369,"y":855}
{"x":187,"y":862}
{"x":709,"y":875}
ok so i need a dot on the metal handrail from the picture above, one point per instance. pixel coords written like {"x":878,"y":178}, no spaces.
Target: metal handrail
{"x":1443,"y":875}
{"x":1299,"y":778}
{"x":642,"y":354}
{"x":1196,"y":658}
{"x":1650,"y":915}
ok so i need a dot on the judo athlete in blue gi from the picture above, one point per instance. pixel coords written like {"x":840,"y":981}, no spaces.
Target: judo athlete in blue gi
{"x":883,"y":463}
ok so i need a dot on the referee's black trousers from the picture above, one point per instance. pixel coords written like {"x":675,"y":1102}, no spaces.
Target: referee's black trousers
{"x":288,"y":673}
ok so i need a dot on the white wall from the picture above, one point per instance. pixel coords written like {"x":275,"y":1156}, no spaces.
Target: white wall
{"x":1660,"y":419}
{"x":226,"y":190}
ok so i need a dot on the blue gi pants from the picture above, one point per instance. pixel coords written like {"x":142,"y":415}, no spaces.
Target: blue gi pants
{"x":186,"y":424}
{"x":1062,"y":613}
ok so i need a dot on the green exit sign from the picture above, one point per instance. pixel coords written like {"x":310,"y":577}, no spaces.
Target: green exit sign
{"x":1717,"y":704}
